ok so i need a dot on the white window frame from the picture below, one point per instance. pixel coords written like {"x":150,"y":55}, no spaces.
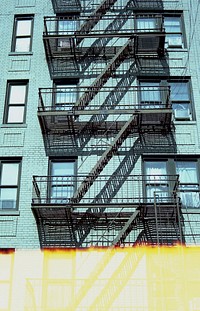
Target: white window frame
{"x":189,"y":183}
{"x":174,"y":34}
{"x":181,"y":100}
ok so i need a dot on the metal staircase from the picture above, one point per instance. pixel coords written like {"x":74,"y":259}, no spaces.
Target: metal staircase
{"x":94,"y":18}
{"x":99,"y":45}
{"x":71,"y":227}
{"x":122,"y":235}
{"x":98,"y":83}
{"x":106,"y":194}
{"x":105,"y":158}
{"x":111,"y":101}
{"x":118,"y":177}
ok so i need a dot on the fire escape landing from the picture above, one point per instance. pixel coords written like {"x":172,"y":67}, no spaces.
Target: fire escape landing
{"x":69,"y":51}
{"x":131,"y":218}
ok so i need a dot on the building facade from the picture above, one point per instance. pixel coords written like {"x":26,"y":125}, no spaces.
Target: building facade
{"x":99,"y":123}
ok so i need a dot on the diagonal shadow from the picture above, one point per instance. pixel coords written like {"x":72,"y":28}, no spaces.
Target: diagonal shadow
{"x":99,"y":45}
{"x":111,"y":101}
{"x":154,"y":143}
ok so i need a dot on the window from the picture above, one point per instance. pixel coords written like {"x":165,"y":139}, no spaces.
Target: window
{"x":150,"y":96}
{"x":65,"y":96}
{"x":189,"y":185}
{"x":180,"y":100}
{"x":22,"y":34}
{"x":145,"y":23}
{"x":174,"y":37}
{"x":9,"y":186}
{"x":16,"y":98}
{"x":62,"y":180}
{"x":157,"y":94}
{"x":161,"y":175}
{"x":156,"y":181}
{"x":172,"y":25}
{"x":66,"y":25}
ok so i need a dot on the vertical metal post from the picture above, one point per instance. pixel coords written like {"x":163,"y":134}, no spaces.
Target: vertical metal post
{"x":179,"y":217}
{"x":156,"y":217}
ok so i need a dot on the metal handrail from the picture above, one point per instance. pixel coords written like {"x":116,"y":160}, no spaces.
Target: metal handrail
{"x":131,"y":188}
{"x":140,"y":97}
{"x":51,"y":26}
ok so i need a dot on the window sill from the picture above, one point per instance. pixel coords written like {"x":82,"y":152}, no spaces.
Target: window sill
{"x":191,"y":210}
{"x":20,"y":53}
{"x":188,"y":122}
{"x":177,"y":50}
{"x":9,"y":213}
{"x":14,"y":126}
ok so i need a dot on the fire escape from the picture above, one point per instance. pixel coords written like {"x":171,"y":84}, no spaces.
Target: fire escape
{"x":116,"y":209}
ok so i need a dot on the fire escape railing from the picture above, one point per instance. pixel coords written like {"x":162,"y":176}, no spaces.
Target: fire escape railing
{"x":59,"y":190}
{"x":129,"y":29}
{"x":70,"y":50}
{"x":126,"y":215}
{"x":57,"y":105}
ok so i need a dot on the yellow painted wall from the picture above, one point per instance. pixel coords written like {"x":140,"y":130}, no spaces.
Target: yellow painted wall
{"x":135,"y":279}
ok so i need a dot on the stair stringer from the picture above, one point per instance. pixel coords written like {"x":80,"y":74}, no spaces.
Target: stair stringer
{"x":124,"y":169}
{"x":105,"y":158}
{"x":99,"y":82}
{"x":94,"y":18}
{"x":116,"y":24}
{"x":110,"y":102}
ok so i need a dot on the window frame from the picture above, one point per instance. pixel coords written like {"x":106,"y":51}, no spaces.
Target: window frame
{"x":50,"y":185}
{"x":166,"y":82}
{"x":16,"y":186}
{"x":181,"y":32}
{"x":156,"y":17}
{"x":190,"y":101}
{"x":15,"y":36}
{"x":148,"y":100}
{"x":64,"y":43}
{"x":71,"y":19}
{"x":172,"y":170}
{"x":62,"y":84}
{"x":155,"y":183}
{"x":8,"y":104}
{"x":160,"y":23}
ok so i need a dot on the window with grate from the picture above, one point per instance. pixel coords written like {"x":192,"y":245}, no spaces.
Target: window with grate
{"x":62,"y":181}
